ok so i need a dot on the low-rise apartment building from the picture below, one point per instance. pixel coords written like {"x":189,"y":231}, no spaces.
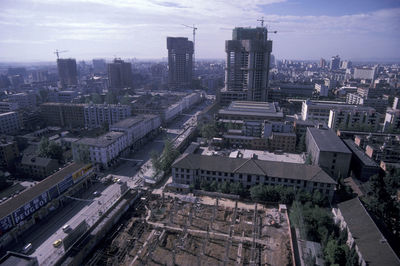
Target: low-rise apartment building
{"x":191,"y":168}
{"x":328,"y":151}
{"x":138,"y":127}
{"x":102,"y":151}
{"x":10,"y":123}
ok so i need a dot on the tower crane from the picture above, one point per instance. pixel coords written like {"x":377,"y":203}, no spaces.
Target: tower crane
{"x":59,"y":52}
{"x":265,"y":30}
{"x":194,"y":39}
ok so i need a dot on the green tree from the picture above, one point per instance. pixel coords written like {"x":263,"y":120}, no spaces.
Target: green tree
{"x":168,"y":156}
{"x":209,"y":130}
{"x":50,"y":149}
{"x":301,"y":145}
{"x":154,"y":157}
{"x":96,"y":98}
{"x":111,"y":98}
{"x":308,"y":159}
{"x":126,"y":99}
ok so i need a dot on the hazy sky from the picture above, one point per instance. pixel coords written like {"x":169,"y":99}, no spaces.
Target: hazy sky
{"x":307,"y":29}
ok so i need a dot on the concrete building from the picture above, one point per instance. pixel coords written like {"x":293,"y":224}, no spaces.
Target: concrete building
{"x":138,"y":127}
{"x":97,"y":115}
{"x":334,"y":64}
{"x":191,"y":168}
{"x":62,"y":96}
{"x":10,"y":123}
{"x":34,"y":204}
{"x":67,"y":72}
{"x":354,"y":118}
{"x":99,"y":66}
{"x":102,"y":151}
{"x":322,"y":89}
{"x":328,"y":151}
{"x":365,"y":73}
{"x":177,"y":108}
{"x":396,"y":103}
{"x":8,"y":153}
{"x":250,"y":111}
{"x":320,"y":110}
{"x":272,"y":136}
{"x":380,"y":104}
{"x":24,"y":100}
{"x":119,"y":74}
{"x":361,"y":166}
{"x":362,"y":233}
{"x":180,"y":62}
{"x":63,"y":114}
{"x":6,"y":107}
{"x":392,"y":121}
{"x":37,"y":167}
{"x":247,"y":65}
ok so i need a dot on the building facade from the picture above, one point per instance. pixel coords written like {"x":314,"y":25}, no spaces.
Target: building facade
{"x":247,"y":65}
{"x":191,"y":168}
{"x":67,"y":72}
{"x":102,"y":151}
{"x":10,"y":123}
{"x":138,"y":127}
{"x":97,"y":115}
{"x":120,"y":74}
{"x":356,"y":118}
{"x":328,"y":151}
{"x":180,"y":62}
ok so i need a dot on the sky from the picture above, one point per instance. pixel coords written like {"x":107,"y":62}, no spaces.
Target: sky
{"x":31,"y":30}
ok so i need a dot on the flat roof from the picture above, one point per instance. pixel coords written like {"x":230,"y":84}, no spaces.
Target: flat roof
{"x":327,"y":140}
{"x":8,"y":113}
{"x":41,"y":187}
{"x":131,"y":121}
{"x":252,"y":108}
{"x":370,"y":241}
{"x":270,"y":156}
{"x":103,"y":140}
{"x":255,"y":167}
{"x":360,"y":153}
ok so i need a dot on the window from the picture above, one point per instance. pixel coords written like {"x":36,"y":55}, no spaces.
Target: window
{"x":248,"y":178}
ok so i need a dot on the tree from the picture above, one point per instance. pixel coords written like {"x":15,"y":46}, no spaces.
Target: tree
{"x":154,"y":157}
{"x":209,"y":130}
{"x":126,"y":99}
{"x":50,"y":149}
{"x":301,"y":145}
{"x":335,"y":254}
{"x":96,"y":98}
{"x":308,"y":159}
{"x":111,"y":98}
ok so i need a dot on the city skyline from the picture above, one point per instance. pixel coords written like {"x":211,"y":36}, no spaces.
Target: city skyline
{"x":356,"y":30}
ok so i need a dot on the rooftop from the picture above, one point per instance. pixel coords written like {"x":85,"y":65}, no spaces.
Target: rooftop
{"x":360,"y":153}
{"x":41,"y":187}
{"x":327,"y":140}
{"x":370,"y":241}
{"x":252,"y":166}
{"x":252,"y":108}
{"x":103,"y":140}
{"x":8,"y":113}
{"x":131,"y":121}
{"x":36,"y":160}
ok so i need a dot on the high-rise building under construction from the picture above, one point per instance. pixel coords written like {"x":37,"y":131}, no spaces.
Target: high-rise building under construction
{"x":247,"y":65}
{"x":180,"y":62}
{"x":67,"y":72}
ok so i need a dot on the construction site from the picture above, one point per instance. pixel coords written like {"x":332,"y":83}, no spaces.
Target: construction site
{"x":166,"y":230}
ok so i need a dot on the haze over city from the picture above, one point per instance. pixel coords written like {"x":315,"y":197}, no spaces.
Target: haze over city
{"x":357,"y":30}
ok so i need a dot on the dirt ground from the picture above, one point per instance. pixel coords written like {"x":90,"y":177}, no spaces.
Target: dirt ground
{"x":190,"y":231}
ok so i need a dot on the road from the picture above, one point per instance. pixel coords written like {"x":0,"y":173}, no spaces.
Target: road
{"x":88,"y":206}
